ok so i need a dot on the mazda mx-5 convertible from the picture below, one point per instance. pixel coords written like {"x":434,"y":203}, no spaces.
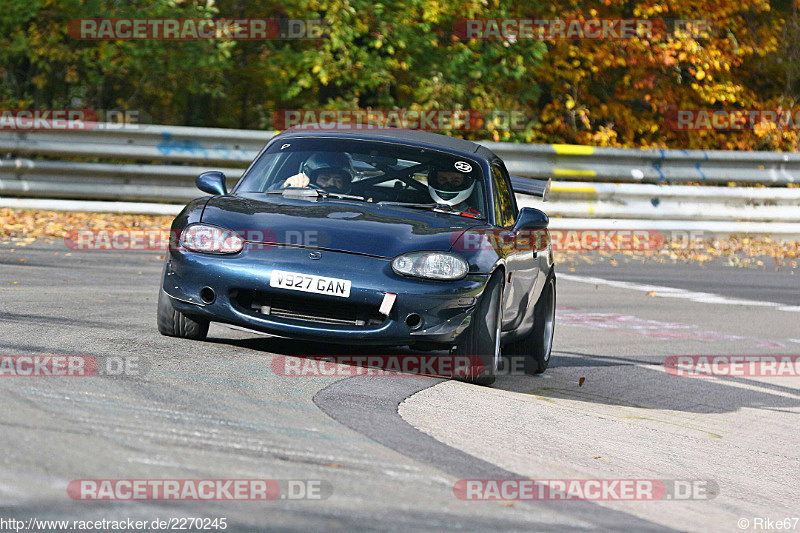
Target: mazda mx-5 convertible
{"x":373,"y":237}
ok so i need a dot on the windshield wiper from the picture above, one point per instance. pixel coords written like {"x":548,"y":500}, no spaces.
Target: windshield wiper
{"x":435,"y":207}
{"x":328,"y":194}
{"x":320,"y":193}
{"x":442,"y":207}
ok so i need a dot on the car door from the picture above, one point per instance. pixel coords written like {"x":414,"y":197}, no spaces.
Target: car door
{"x":521,"y":264}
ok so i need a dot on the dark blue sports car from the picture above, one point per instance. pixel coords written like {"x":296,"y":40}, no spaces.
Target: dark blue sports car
{"x":375,"y":237}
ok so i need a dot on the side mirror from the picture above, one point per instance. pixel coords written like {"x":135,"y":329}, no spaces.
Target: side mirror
{"x":212,"y":182}
{"x":531,"y":219}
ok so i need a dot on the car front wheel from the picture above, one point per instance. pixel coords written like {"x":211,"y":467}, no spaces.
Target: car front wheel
{"x":535,"y":348}
{"x":481,"y":341}
{"x":173,"y":323}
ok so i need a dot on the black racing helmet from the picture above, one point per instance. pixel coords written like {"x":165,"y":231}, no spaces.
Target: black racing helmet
{"x":330,"y":162}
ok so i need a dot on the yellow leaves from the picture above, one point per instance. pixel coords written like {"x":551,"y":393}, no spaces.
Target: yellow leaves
{"x":433,"y":10}
{"x":24,"y":227}
{"x":316,"y":68}
{"x":40,"y":80}
{"x":71,"y":74}
{"x":646,"y":11}
{"x":570,"y":103}
{"x":746,"y":252}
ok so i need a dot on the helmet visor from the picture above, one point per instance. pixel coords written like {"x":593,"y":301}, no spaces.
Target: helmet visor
{"x":448,"y":181}
{"x":333,"y":179}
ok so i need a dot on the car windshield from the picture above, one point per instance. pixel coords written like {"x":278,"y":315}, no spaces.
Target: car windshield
{"x":371,"y":172}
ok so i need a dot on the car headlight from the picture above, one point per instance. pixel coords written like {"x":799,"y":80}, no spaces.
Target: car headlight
{"x":431,"y":265}
{"x":210,"y":239}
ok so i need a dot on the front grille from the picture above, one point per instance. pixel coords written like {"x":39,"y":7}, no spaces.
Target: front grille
{"x":308,"y":309}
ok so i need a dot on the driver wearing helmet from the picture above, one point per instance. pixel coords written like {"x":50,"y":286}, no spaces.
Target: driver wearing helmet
{"x":452,"y":188}
{"x":326,"y":170}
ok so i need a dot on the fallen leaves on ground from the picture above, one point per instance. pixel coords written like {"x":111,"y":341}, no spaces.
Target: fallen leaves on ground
{"x":23,"y":227}
{"x":734,"y":251}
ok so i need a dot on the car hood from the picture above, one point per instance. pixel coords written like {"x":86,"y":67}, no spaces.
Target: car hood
{"x":332,"y":224}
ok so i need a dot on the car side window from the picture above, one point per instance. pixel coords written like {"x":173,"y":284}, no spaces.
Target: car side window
{"x":503,"y":201}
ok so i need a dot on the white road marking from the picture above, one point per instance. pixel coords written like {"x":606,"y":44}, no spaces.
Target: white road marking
{"x":750,"y":383}
{"x":672,"y":292}
{"x":654,"y":329}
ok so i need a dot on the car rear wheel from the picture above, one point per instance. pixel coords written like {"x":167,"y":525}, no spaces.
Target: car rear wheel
{"x":482,"y":338}
{"x":535,"y":348}
{"x":173,"y":323}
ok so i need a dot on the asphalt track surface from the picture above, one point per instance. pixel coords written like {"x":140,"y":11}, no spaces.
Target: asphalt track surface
{"x":392,"y":447}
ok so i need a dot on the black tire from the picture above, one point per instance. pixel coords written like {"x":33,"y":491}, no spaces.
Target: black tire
{"x":482,"y":337}
{"x":536,"y":347}
{"x":173,"y":323}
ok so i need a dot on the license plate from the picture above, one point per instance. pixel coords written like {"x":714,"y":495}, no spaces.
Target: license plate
{"x":310,"y":283}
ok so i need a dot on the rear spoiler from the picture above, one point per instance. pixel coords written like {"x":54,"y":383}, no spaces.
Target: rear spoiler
{"x":540,"y":188}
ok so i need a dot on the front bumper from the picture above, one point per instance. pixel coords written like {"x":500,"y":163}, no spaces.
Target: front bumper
{"x":444,"y":307}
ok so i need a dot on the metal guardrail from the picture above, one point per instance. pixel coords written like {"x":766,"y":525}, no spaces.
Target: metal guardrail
{"x":587,"y":163}
{"x":161,"y":162}
{"x":206,"y":146}
{"x":103,"y":181}
{"x":672,"y":202}
{"x":229,"y":147}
